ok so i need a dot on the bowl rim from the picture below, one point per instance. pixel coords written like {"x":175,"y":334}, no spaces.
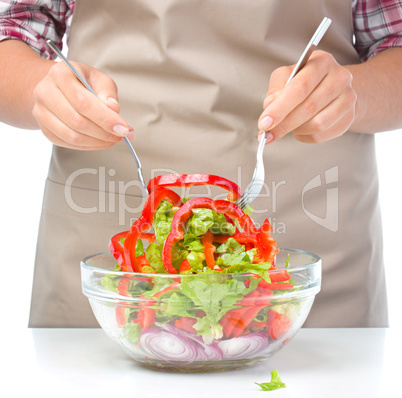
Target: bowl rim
{"x":317,"y":261}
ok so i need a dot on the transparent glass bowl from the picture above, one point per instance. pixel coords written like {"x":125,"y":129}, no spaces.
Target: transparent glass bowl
{"x":175,"y":322}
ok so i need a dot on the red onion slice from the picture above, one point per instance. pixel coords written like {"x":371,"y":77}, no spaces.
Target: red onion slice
{"x":206,"y":352}
{"x":243,"y":346}
{"x":160,"y":344}
{"x":172,"y":344}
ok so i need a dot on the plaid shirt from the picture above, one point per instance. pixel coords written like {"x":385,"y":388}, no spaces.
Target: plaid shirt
{"x":377,"y":23}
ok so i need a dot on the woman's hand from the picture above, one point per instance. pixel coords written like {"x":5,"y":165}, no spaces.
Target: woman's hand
{"x":317,"y":105}
{"x":71,"y":116}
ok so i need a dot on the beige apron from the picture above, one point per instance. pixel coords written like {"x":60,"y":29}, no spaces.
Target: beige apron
{"x":192,"y":76}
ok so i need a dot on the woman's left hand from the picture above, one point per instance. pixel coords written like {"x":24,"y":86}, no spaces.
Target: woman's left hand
{"x":317,"y":105}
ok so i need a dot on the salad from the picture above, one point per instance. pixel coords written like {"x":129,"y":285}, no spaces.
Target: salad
{"x":204,"y":275}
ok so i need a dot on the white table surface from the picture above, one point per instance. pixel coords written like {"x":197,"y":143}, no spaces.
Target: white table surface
{"x":86,"y":363}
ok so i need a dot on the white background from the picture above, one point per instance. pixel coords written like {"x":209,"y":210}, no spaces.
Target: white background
{"x":24,"y":160}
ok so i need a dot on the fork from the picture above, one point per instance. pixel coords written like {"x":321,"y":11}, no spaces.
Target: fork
{"x":54,"y":48}
{"x":257,"y":181}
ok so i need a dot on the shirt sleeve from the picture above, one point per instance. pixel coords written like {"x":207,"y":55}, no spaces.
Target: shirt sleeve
{"x":35,"y":21}
{"x":377,"y":26}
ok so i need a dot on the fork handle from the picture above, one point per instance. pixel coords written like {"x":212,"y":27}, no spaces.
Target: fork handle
{"x":311,"y":46}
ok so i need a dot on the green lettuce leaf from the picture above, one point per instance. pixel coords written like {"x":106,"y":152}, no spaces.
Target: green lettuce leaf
{"x":110,"y":283}
{"x":200,"y":222}
{"x":230,"y":246}
{"x":244,"y":267}
{"x":196,"y":260}
{"x":139,"y":248}
{"x":215,"y":299}
{"x":179,"y":305}
{"x":203,"y":220}
{"x":195,"y":245}
{"x":248,"y":210}
{"x":132,"y":331}
{"x":274,"y":384}
{"x":159,"y":284}
{"x":233,"y":253}
{"x":153,"y":254}
{"x":221,"y":226}
{"x":163,"y":220}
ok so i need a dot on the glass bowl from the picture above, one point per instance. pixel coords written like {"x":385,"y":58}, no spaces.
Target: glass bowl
{"x":204,"y":322}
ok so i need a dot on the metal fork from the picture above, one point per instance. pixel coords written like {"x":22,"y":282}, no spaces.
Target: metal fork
{"x":54,"y":48}
{"x":258,"y":178}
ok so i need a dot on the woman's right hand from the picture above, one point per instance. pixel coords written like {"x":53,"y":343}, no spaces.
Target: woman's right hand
{"x":70,"y":116}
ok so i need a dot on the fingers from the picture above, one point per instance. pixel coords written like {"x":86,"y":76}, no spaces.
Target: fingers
{"x":71,"y":116}
{"x":94,"y":109}
{"x":319,"y":102}
{"x":105,"y":88}
{"x":332,"y":122}
{"x":294,"y":93}
{"x":60,"y":134}
{"x":277,"y":82}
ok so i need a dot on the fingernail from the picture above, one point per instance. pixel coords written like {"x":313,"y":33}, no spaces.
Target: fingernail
{"x":269,"y":138}
{"x":265,"y":123}
{"x":120,"y":130}
{"x":112,"y":100}
{"x":130,"y":135}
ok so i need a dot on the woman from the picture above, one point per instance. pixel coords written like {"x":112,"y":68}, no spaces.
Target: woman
{"x":192,"y":77}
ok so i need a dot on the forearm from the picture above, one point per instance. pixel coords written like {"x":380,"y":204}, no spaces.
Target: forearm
{"x":378,"y":85}
{"x":21,"y":70}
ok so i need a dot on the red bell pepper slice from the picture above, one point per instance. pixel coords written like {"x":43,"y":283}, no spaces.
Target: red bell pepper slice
{"x":121,"y":315}
{"x":279,"y":275}
{"x":209,"y":249}
{"x":123,"y":286}
{"x":277,"y":286}
{"x":154,"y":200}
{"x":148,"y":236}
{"x":116,"y":246}
{"x":245,"y":320}
{"x":274,"y":285}
{"x":241,"y":237}
{"x":266,"y":244}
{"x":278,"y":324}
{"x":174,"y":285}
{"x":117,"y":249}
{"x":148,"y":319}
{"x":189,"y":180}
{"x":232,"y":318}
{"x":144,"y":223}
{"x":185,"y":266}
{"x":133,"y":262}
{"x":184,"y":213}
{"x":146,"y":314}
{"x":186,"y":323}
{"x":257,"y":325}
